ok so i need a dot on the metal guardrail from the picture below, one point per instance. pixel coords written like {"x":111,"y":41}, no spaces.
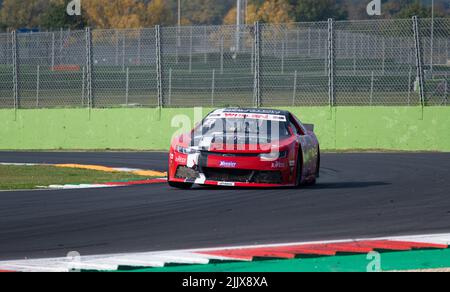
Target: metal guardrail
{"x":379,"y":62}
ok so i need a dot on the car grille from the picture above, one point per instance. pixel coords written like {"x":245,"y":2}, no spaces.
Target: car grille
{"x":186,"y":173}
{"x":239,"y":175}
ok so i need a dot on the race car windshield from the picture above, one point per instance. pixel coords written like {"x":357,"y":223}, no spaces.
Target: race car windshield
{"x":261,"y":129}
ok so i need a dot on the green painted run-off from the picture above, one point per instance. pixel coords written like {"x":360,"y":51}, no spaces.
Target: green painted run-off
{"x":340,"y":128}
{"x":389,"y":261}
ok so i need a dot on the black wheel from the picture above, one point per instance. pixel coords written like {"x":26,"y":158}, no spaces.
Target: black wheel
{"x":182,"y":186}
{"x":313,"y":181}
{"x":298,"y":178}
{"x":318,"y":164}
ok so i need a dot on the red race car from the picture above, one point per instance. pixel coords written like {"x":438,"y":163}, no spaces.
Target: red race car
{"x":245,"y":148}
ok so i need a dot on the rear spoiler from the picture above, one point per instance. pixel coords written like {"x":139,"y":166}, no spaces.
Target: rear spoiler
{"x":309,"y":127}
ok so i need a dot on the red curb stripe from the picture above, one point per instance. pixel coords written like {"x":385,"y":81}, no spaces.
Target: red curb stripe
{"x":6,"y":271}
{"x":306,"y":250}
{"x":228,"y":255}
{"x":276,"y":252}
{"x":326,"y":249}
{"x":420,"y":245}
{"x":381,"y":245}
{"x":384,"y":245}
{"x":250,"y":255}
{"x":349,"y":247}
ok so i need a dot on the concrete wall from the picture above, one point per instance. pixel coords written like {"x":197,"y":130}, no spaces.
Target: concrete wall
{"x":390,"y":128}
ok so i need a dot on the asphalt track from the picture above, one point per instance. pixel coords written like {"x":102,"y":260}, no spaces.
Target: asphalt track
{"x":358,"y":195}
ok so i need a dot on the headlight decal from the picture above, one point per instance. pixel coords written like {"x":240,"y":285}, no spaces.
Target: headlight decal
{"x":273,"y":155}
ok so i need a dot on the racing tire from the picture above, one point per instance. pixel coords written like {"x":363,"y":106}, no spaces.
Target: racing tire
{"x":313,"y":181}
{"x":299,"y":170}
{"x":318,"y":164}
{"x":181,"y":186}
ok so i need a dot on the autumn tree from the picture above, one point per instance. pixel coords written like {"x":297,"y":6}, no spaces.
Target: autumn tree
{"x":250,"y":17}
{"x":23,"y":13}
{"x":158,"y":12}
{"x":270,"y":11}
{"x":114,"y":14}
{"x":275,"y":11}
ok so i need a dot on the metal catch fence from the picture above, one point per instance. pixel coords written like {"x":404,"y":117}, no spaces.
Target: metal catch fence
{"x":336,"y":63}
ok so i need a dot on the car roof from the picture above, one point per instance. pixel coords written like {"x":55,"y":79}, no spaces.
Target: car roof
{"x":253,"y":111}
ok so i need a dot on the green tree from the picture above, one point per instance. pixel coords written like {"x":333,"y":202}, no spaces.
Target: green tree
{"x":206,"y":11}
{"x":319,"y":10}
{"x":414,"y":10}
{"x":56,"y":17}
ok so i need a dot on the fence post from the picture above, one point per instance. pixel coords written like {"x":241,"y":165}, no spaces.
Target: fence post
{"x":309,"y":41}
{"x":53,"y":51}
{"x":384,"y":57}
{"x":37,"y":84}
{"x":169,"y":100}
{"x":158,"y":66}
{"x":191,"y":43}
{"x":139,"y":46}
{"x":83,"y":85}
{"x":123,"y":51}
{"x":116,"y":32}
{"x":319,"y":49}
{"x":446,"y":89}
{"x":61,"y":39}
{"x":331,"y":63}
{"x":294,"y":94}
{"x":283,"y":46}
{"x":127,"y":86}
{"x":205,"y":44}
{"x":15,"y":63}
{"x":354,"y":54}
{"x":432,"y":46}
{"x":419,"y":60}
{"x":257,"y":74}
{"x":213,"y":87}
{"x":221,"y":54}
{"x":89,"y":96}
{"x":372,"y":80}
{"x":409,"y":85}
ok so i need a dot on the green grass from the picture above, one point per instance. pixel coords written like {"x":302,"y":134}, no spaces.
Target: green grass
{"x":31,"y":177}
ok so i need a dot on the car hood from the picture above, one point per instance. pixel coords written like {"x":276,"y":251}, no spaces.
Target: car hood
{"x":233,"y":144}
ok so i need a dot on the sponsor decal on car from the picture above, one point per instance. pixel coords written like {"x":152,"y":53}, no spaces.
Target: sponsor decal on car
{"x":226,"y":184}
{"x":231,"y":115}
{"x":228,"y":164}
{"x":181,"y":160}
{"x":278,"y":164}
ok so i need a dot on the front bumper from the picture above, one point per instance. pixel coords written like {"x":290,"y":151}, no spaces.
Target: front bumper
{"x":230,"y":170}
{"x":232,"y":184}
